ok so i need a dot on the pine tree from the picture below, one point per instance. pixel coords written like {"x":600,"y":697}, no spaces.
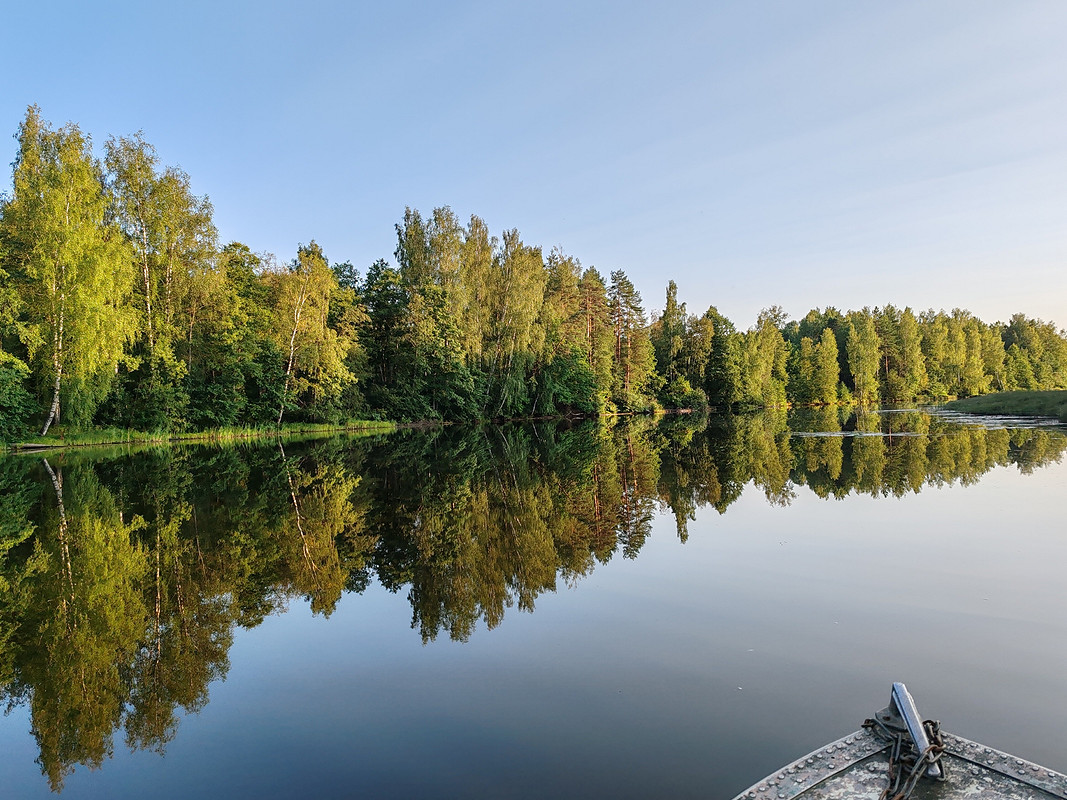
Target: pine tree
{"x":635,"y":363}
{"x":597,"y":333}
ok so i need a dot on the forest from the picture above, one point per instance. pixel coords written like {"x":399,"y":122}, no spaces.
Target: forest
{"x":119,"y":307}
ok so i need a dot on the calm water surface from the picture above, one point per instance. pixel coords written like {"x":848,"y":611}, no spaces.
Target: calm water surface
{"x":659,"y":608}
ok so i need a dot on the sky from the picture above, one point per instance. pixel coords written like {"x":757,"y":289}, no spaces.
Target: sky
{"x":759,"y":153}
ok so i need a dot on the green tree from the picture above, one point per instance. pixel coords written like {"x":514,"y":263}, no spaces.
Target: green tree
{"x":801,"y":369}
{"x":235,"y":362}
{"x":681,"y":346}
{"x":723,"y":380}
{"x":935,"y":347}
{"x":764,"y":356}
{"x":315,"y":371}
{"x":825,"y":377}
{"x":16,"y":403}
{"x":634,"y":362}
{"x":903,"y":367}
{"x":912,"y":364}
{"x":173,"y":239}
{"x":392,"y":383}
{"x":697,"y":348}
{"x":73,"y":268}
{"x":513,"y":335}
{"x":1041,"y":347}
{"x":445,"y":337}
{"x":477,"y":276}
{"x":668,"y":335}
{"x":565,"y":378}
{"x":347,"y":318}
{"x":863,"y":348}
{"x":973,"y":378}
{"x":598,"y":333}
{"x":955,"y":362}
{"x":993,"y":355}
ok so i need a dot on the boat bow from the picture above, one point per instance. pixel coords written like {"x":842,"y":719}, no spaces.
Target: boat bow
{"x":858,"y":766}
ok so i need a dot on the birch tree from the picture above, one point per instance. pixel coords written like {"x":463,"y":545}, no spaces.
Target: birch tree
{"x":314,"y":354}
{"x":764,"y":354}
{"x":825,"y":375}
{"x":519,"y":284}
{"x":74,"y":268}
{"x":173,"y":239}
{"x":863,"y":350}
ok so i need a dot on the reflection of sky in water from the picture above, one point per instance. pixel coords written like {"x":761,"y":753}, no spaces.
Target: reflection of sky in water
{"x":692,"y":670}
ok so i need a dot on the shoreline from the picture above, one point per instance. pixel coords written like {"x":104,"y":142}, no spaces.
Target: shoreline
{"x":106,"y":438}
{"x":1048,"y":404}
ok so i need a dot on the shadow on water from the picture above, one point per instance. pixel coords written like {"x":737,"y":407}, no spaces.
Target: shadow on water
{"x":124,"y":579}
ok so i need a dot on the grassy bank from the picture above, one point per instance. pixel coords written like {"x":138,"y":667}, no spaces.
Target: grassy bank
{"x":60,"y":438}
{"x":1016,"y":404}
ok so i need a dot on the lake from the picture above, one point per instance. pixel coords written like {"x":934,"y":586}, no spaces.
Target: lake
{"x":648,"y":607}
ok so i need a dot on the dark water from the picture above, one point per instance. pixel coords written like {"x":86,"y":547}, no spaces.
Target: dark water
{"x":708,"y":600}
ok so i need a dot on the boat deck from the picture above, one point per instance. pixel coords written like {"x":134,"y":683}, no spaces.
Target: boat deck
{"x":855,"y":768}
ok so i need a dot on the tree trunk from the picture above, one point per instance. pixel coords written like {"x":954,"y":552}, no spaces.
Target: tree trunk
{"x":67,"y":569}
{"x":57,"y":365}
{"x":147,"y":288}
{"x":53,"y":414}
{"x":297,"y":313}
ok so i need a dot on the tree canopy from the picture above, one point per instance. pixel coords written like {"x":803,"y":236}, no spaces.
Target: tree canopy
{"x":119,"y":308}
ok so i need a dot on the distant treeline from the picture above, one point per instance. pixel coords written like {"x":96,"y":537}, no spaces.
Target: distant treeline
{"x":119,"y":307}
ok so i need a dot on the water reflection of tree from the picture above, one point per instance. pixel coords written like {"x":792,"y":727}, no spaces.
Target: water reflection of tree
{"x":122,"y":618}
{"x":494,"y":518}
{"x":189,"y":626}
{"x":83,"y":618}
{"x":834,"y":455}
{"x":123,"y":580}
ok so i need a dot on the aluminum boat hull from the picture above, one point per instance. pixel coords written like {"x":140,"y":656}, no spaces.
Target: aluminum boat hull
{"x":856,"y":767}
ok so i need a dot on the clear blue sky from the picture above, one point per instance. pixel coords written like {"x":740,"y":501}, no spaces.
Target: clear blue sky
{"x":793,"y":153}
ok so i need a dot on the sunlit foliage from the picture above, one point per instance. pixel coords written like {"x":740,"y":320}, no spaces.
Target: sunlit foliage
{"x":119,"y":309}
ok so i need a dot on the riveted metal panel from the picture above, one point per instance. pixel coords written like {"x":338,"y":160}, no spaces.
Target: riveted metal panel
{"x":855,"y":768}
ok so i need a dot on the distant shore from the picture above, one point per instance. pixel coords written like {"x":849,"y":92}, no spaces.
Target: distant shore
{"x":1017,"y":404}
{"x":62,"y":440}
